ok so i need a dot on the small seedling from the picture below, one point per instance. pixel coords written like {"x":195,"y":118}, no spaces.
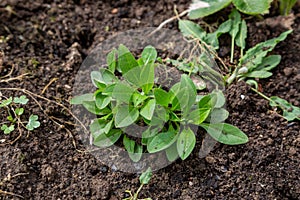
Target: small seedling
{"x":133,"y":97}
{"x":14,"y":110}
{"x":289,"y":111}
{"x":144,"y":179}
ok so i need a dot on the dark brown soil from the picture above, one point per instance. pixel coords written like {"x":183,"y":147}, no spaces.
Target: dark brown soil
{"x":45,"y":164}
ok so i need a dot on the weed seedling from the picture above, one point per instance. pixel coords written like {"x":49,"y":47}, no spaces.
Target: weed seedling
{"x":144,"y":179}
{"x":14,"y":110}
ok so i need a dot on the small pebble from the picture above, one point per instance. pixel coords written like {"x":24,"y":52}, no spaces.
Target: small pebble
{"x":210,"y":159}
{"x":114,"y":11}
{"x":292,"y":151}
{"x":288,"y":71}
{"x":103,"y":169}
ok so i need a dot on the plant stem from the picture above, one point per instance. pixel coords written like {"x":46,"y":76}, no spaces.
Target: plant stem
{"x":135,"y":197}
{"x":262,"y":95}
{"x":232,"y":50}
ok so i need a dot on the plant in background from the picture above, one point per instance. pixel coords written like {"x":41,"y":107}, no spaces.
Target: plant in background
{"x":285,"y":6}
{"x":250,"y":7}
{"x":14,"y":110}
{"x":254,"y":64}
{"x":168,"y":115}
{"x":144,"y":179}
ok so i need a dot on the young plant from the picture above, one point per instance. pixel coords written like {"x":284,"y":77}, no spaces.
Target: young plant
{"x":133,"y":97}
{"x":14,"y":110}
{"x":250,"y":7}
{"x":289,"y":111}
{"x":144,"y":179}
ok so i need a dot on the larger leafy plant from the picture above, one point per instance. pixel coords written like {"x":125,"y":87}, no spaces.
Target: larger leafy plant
{"x":168,"y":115}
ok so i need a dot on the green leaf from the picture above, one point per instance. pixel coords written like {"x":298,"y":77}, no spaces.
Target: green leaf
{"x":33,"y":122}
{"x":160,"y":116}
{"x":214,"y":6}
{"x":186,"y":143}
{"x":190,"y":29}
{"x":100,"y":126}
{"x":108,"y":90}
{"x":268,"y":63}
{"x":122,"y":92}
{"x":174,"y":117}
{"x":126,"y":60}
{"x":21,"y":100}
{"x":92,"y":108}
{"x":7,"y":129}
{"x":290,"y":112}
{"x":102,"y":101}
{"x":213,"y":38}
{"x":184,"y":94}
{"x":252,"y":83}
{"x":198,"y":116}
{"x":19,"y":111}
{"x":258,"y":74}
{"x":252,"y":7}
{"x":106,"y":140}
{"x":141,"y":77}
{"x":146,"y":176}
{"x":225,"y":133}
{"x":217,"y":115}
{"x":148,"y":135}
{"x":240,"y":39}
{"x":149,"y":55}
{"x":220,"y":99}
{"x":171,"y":152}
{"x":162,"y":97}
{"x":138,"y":98}
{"x":6,"y":102}
{"x":135,"y":151}
{"x":208,"y":101}
{"x":162,"y":141}
{"x":125,"y":116}
{"x":111,"y":60}
{"x":97,"y":127}
{"x":103,"y":77}
{"x":255,"y":55}
{"x":80,"y":99}
{"x":148,"y":110}
{"x":236,"y":20}
{"x":11,"y":119}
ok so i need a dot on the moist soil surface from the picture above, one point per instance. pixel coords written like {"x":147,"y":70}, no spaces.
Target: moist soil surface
{"x":50,"y":39}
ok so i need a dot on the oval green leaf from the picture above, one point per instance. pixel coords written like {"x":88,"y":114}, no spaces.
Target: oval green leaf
{"x":214,"y":6}
{"x":225,"y":133}
{"x":125,"y":116}
{"x":162,"y":141}
{"x":186,"y":143}
{"x":252,"y":7}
